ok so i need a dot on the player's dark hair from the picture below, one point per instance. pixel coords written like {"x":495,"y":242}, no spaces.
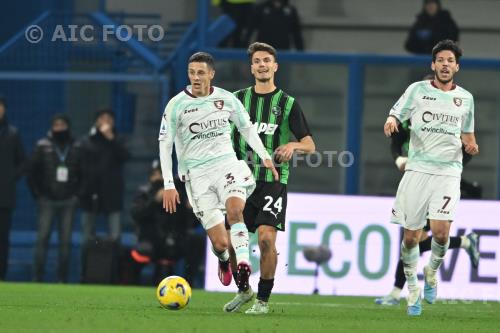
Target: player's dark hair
{"x":447,"y":45}
{"x":257,"y":46}
{"x":203,"y":57}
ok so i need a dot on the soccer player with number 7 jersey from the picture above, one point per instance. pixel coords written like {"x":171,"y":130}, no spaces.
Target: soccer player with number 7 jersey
{"x":276,"y":115}
{"x":442,"y":118}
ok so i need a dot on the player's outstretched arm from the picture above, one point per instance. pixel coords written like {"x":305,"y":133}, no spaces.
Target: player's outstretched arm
{"x":170,"y":195}
{"x":470,"y":144}
{"x":252,"y":138}
{"x":166,"y":139}
{"x":250,"y":135}
{"x":390,"y":126}
{"x":249,"y":132}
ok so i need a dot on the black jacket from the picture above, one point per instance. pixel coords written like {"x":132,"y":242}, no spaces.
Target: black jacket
{"x":42,"y":171}
{"x":165,"y":233}
{"x":427,"y":31}
{"x":11,"y":163}
{"x":276,"y":26}
{"x":102,"y":163}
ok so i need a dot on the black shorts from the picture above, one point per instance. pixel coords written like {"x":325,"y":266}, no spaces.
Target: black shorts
{"x":266,"y":206}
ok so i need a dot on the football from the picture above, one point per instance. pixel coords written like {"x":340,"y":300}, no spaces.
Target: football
{"x":173,"y":293}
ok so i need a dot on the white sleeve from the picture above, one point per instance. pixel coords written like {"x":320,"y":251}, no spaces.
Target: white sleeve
{"x":404,"y":107}
{"x":167,"y":135}
{"x":240,"y":118}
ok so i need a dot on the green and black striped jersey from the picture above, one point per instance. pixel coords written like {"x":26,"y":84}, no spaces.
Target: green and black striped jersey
{"x":277,"y":115}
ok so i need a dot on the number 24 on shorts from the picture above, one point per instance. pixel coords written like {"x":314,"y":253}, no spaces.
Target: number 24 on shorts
{"x":277,"y":205}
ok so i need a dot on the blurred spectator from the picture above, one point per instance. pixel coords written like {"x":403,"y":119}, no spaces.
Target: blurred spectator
{"x":161,"y":236}
{"x":239,"y":11}
{"x":11,"y":168}
{"x":103,"y":156}
{"x":54,"y":178}
{"x":433,"y":24}
{"x":277,"y":23}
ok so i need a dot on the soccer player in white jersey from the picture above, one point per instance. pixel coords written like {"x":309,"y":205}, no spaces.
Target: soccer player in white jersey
{"x":442,"y":118}
{"x":198,"y":121}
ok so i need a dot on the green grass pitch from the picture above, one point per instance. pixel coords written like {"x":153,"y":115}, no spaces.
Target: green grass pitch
{"x":77,"y":308}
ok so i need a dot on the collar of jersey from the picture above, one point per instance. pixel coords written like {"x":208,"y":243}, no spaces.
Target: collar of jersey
{"x":434,"y":85}
{"x":267,"y":94}
{"x":189,"y":88}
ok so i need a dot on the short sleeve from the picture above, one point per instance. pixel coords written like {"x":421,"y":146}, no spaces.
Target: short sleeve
{"x":405,"y":106}
{"x":297,"y":122}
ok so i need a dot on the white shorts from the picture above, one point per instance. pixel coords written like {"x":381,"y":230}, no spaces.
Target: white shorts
{"x":423,"y":196}
{"x":208,"y":191}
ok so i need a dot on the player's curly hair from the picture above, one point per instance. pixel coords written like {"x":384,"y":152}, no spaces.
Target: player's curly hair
{"x":257,"y":46}
{"x":448,"y":45}
{"x":203,"y":57}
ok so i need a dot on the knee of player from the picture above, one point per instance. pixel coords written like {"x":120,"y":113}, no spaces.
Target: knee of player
{"x":266,"y":244}
{"x":220,"y":245}
{"x":410,"y":241}
{"x":440,"y":237}
{"x":235,"y":214}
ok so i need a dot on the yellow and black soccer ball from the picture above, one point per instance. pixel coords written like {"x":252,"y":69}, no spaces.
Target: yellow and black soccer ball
{"x":174,"y":293}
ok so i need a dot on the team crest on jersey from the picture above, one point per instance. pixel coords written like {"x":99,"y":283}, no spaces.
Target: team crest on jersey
{"x":276,"y":110}
{"x":219,"y":104}
{"x":457,"y":101}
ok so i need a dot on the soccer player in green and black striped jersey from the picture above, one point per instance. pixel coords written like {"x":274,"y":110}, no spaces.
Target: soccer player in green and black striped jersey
{"x":277,"y":116}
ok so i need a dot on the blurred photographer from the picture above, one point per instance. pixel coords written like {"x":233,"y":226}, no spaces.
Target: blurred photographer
{"x":161,"y":237}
